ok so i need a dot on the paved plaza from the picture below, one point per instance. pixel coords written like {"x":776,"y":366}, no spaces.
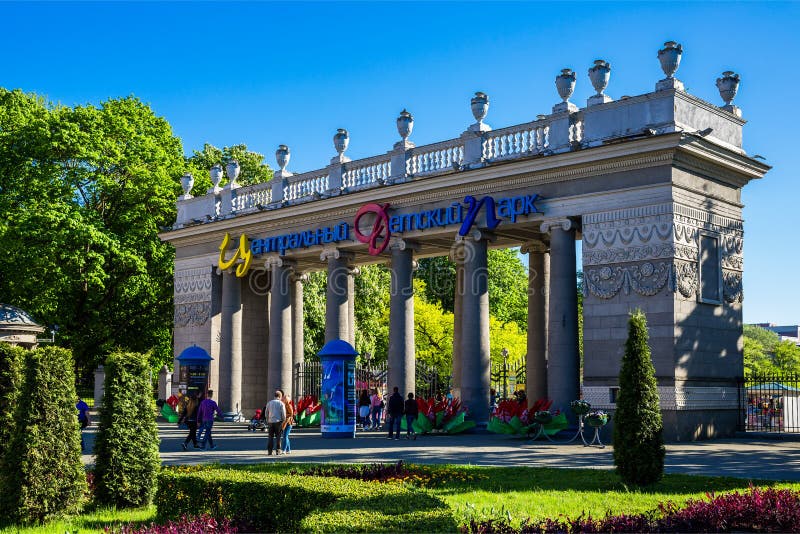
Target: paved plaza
{"x":744,"y":458}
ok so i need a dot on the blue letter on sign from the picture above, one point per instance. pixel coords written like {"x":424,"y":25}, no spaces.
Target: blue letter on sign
{"x":472,"y":212}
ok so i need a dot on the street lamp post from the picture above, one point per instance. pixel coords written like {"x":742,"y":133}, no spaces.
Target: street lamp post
{"x":504,"y":352}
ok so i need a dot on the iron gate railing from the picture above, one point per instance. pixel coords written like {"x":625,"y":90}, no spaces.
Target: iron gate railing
{"x":308,"y":378}
{"x":770,"y":403}
{"x":506,"y":378}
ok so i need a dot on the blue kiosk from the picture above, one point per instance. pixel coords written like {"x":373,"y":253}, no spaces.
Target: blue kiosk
{"x":338,"y":389}
{"x":193,"y":376}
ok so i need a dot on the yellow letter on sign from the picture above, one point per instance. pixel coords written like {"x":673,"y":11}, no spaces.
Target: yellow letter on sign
{"x":242,"y":253}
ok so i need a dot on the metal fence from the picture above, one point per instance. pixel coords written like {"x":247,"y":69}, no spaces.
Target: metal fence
{"x":770,"y":403}
{"x":308,"y":378}
{"x":507,"y":378}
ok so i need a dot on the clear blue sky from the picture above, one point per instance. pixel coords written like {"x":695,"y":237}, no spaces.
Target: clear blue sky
{"x":270,"y":73}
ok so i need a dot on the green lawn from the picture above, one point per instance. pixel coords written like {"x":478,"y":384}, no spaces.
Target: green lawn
{"x":494,"y":492}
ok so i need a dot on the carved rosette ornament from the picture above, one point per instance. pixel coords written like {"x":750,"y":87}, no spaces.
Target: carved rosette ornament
{"x":646,"y":279}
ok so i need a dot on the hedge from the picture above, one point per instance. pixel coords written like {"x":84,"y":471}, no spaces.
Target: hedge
{"x":11,"y":365}
{"x":126,"y":447}
{"x":273,"y":502}
{"x":41,"y":474}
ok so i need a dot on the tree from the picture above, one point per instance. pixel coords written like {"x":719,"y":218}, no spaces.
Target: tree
{"x":786,"y":357}
{"x":767,"y":338}
{"x":126,"y":448}
{"x":85,"y":190}
{"x":253,"y":170}
{"x":372,"y":288}
{"x":638,"y":429}
{"x":507,"y":281}
{"x":41,"y":471}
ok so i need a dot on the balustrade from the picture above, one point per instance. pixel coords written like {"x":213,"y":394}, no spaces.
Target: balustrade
{"x":567,"y":128}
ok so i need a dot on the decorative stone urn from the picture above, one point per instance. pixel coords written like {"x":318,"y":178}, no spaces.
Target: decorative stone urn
{"x":282,"y":156}
{"x":728,"y":85}
{"x":670,"y":57}
{"x":233,"y":170}
{"x":599,"y":75}
{"x":187,"y":182}
{"x":216,"y":175}
{"x":565,"y":84}
{"x":340,"y":140}
{"x":405,"y":124}
{"x":480,"y":106}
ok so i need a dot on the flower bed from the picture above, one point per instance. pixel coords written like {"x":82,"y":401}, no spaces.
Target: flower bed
{"x":756,"y":510}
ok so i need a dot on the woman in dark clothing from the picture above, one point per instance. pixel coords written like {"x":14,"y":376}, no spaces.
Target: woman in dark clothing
{"x":411,"y":410}
{"x":189,"y":417}
{"x":364,"y":403}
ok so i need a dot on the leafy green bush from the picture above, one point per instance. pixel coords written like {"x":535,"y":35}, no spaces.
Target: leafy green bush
{"x":638,"y":429}
{"x":127,"y":442}
{"x":11,"y":363}
{"x":41,"y":474}
{"x":279,"y":502}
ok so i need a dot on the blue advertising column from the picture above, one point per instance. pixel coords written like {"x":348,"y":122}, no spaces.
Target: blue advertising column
{"x":338,"y":390}
{"x":193,"y":375}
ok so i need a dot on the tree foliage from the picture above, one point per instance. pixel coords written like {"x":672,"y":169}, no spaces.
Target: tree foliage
{"x":638,"y":429}
{"x":765,"y":353}
{"x":41,"y":471}
{"x":85,"y":190}
{"x":253,"y":170}
{"x":126,"y":448}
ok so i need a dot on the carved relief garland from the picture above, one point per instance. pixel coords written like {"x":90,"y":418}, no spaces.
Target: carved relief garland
{"x":732,"y":290}
{"x":194,"y":314}
{"x":645,"y":279}
{"x":192,"y":297}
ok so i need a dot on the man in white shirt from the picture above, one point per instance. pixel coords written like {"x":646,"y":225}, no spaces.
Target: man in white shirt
{"x":276,"y":413}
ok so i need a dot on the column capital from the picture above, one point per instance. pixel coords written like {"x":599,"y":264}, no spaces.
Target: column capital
{"x":565,"y":223}
{"x":477,"y":235}
{"x":299,"y":276}
{"x":336,"y":253}
{"x":278,"y":261}
{"x":535,"y":247}
{"x":398,"y":243}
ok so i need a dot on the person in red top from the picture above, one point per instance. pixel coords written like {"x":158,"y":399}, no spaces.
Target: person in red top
{"x":205,"y":419}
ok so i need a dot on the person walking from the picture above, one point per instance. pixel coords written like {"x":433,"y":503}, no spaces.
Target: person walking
{"x":83,"y":418}
{"x":276,"y":413}
{"x":376,"y":403}
{"x":394,"y":413}
{"x":412,"y":411}
{"x":205,"y":418}
{"x":287,"y":423}
{"x":189,"y":418}
{"x":364,"y":409}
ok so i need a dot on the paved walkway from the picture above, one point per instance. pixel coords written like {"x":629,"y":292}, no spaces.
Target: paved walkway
{"x":743,"y":458}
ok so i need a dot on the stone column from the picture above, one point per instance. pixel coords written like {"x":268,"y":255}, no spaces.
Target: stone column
{"x":475,"y":357}
{"x":563,"y":364}
{"x":351,"y":306}
{"x":458,"y":294}
{"x":337,"y":299}
{"x":280,"y":326}
{"x":538,"y":282}
{"x":298,"y":349}
{"x":402,"y":371}
{"x":230,"y":350}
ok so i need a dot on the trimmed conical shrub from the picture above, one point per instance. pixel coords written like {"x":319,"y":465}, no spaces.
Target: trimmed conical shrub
{"x":41,"y":474}
{"x":11,"y":363}
{"x":126,"y":448}
{"x":638,"y":429}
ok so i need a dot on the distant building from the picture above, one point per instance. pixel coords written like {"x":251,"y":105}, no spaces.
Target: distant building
{"x":790,"y":332}
{"x":17,"y":327}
